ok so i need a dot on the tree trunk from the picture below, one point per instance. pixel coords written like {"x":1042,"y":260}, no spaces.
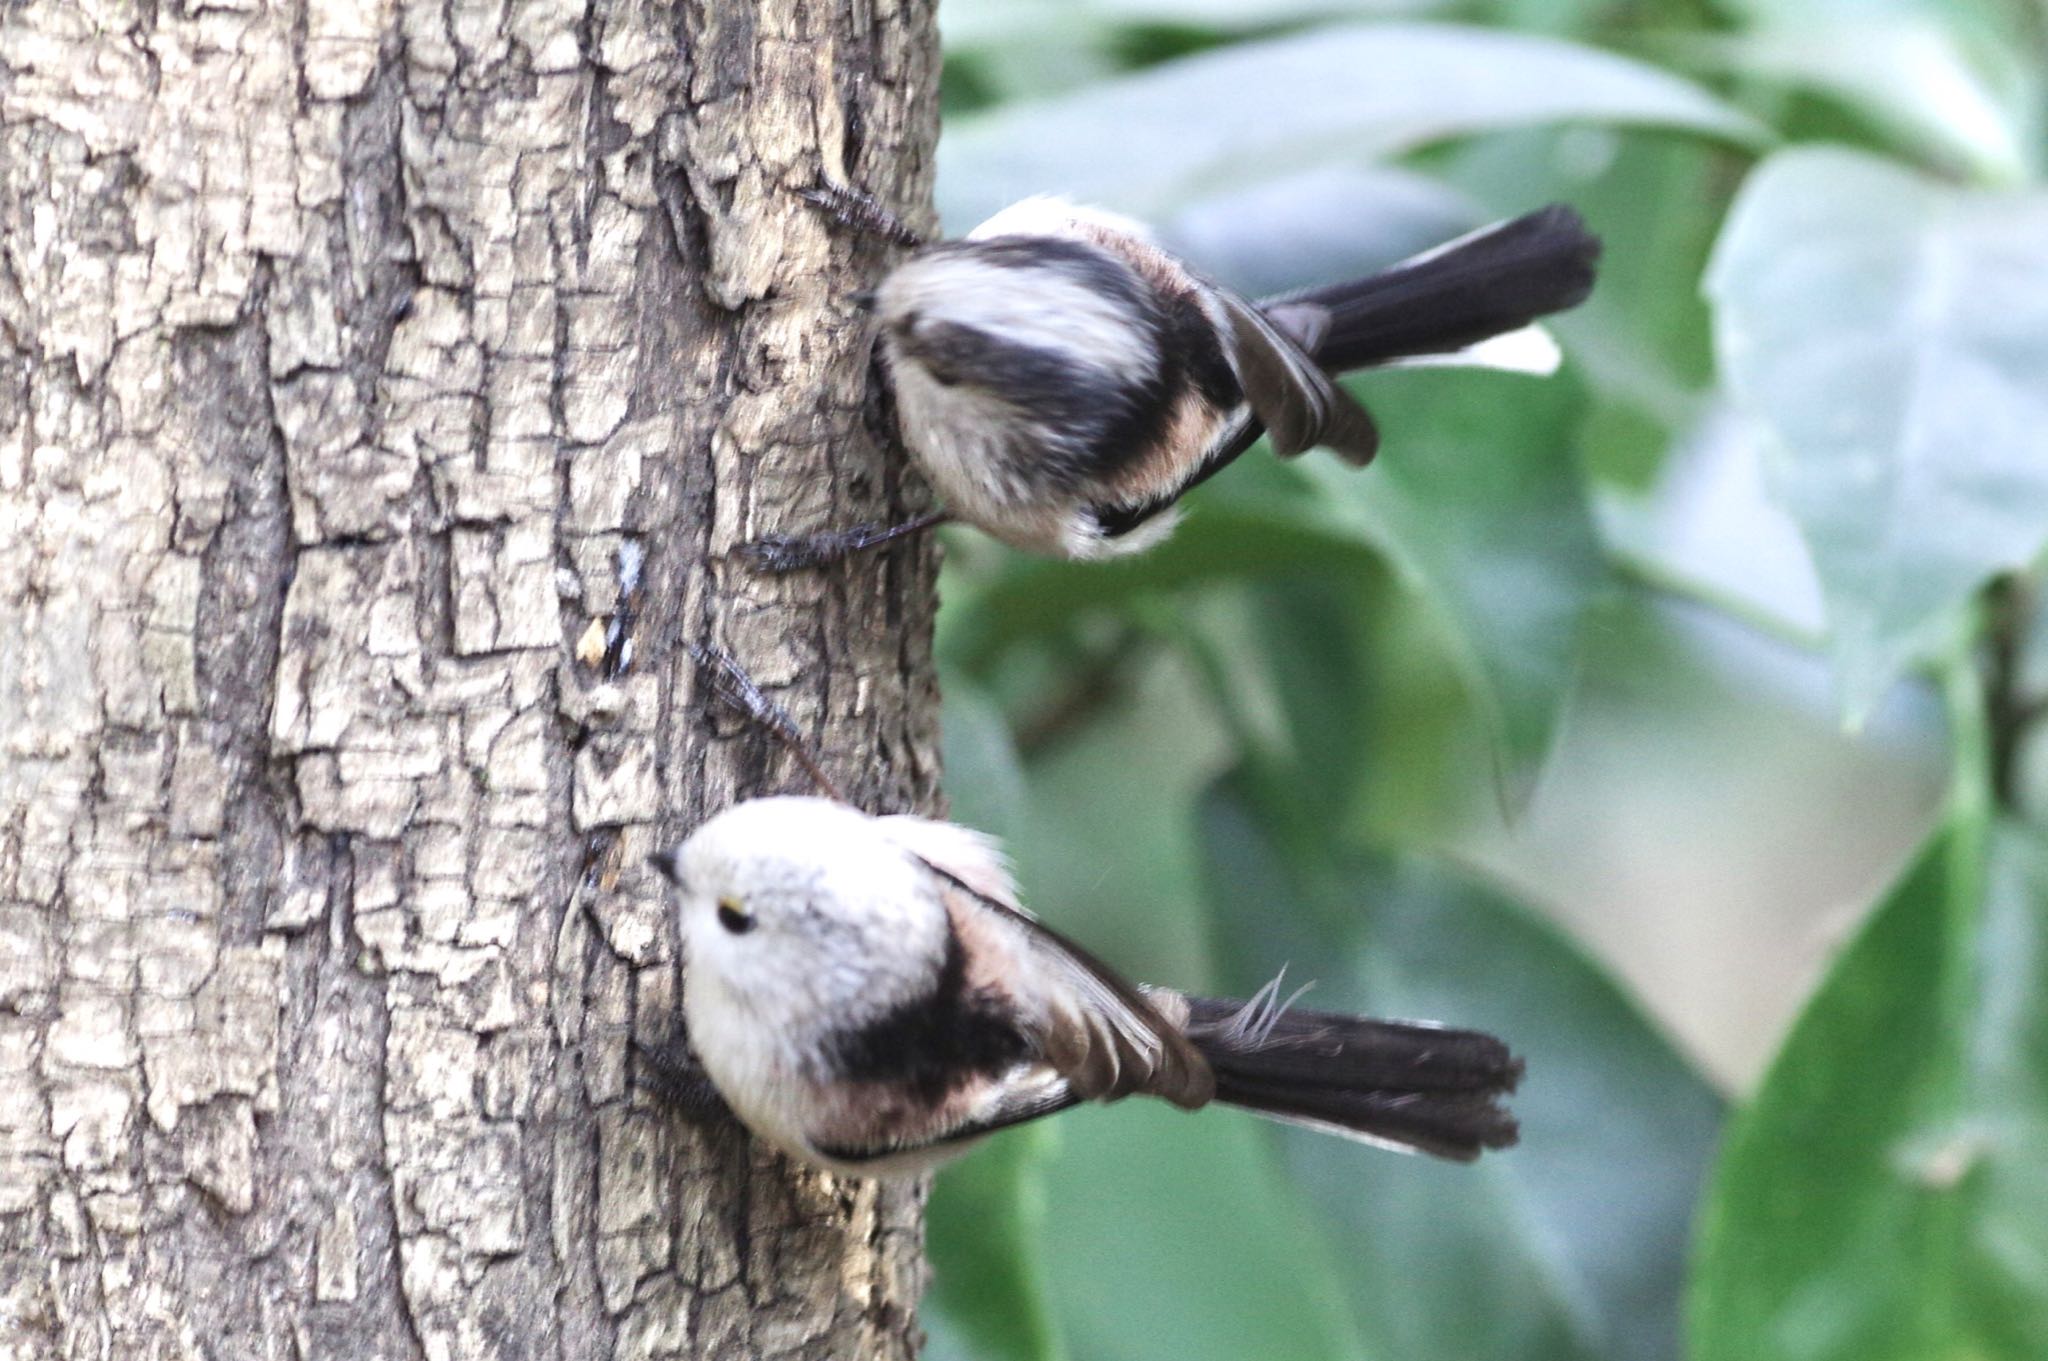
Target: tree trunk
{"x":346,"y":351}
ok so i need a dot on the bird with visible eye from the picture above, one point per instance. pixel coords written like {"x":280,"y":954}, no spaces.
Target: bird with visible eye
{"x":733,"y":917}
{"x":867,"y":995}
{"x":1063,"y":380}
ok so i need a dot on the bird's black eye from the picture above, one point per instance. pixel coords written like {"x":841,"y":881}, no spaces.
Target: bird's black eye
{"x":733,"y":917}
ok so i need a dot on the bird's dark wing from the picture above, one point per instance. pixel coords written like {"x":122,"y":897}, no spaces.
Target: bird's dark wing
{"x":1299,"y":405}
{"x":1118,"y":519}
{"x":1104,"y":1036}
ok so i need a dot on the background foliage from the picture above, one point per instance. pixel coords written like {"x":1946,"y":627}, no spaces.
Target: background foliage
{"x":1671,"y":716}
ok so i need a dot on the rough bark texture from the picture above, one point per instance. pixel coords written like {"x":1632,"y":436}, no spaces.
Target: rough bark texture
{"x":345,"y":346}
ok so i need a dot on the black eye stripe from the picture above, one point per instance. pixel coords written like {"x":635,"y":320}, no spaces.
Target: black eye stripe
{"x":734,"y":920}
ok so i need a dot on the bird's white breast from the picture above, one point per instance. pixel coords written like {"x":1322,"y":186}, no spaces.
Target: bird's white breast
{"x":960,"y":438}
{"x":755,"y":1068}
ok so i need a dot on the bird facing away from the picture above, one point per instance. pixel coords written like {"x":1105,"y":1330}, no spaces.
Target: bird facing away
{"x":1063,"y":380}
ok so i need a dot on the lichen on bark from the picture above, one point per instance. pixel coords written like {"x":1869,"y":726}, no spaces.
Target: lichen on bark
{"x":346,"y":350}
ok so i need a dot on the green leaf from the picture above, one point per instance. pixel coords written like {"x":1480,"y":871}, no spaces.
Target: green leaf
{"x":1478,"y":503}
{"x":1885,"y":1195}
{"x":1107,"y":851}
{"x":985,"y":782}
{"x":1890,"y":336}
{"x":1312,"y":643}
{"x":1642,"y":344}
{"x":1906,"y":72}
{"x":1329,"y":222}
{"x":1257,"y":521}
{"x":1178,"y":1237}
{"x":985,"y":1225}
{"x":1344,"y":94}
{"x":985,"y":1234}
{"x":1569,"y":1247}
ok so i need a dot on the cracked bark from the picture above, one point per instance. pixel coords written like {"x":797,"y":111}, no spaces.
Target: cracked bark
{"x":347,"y":347}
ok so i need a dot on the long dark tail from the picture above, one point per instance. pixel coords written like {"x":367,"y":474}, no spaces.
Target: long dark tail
{"x":1494,"y":281}
{"x":1419,"y":1087}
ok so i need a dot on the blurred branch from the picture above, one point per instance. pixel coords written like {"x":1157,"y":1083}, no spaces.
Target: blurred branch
{"x":1096,"y":684}
{"x":2010,"y":712}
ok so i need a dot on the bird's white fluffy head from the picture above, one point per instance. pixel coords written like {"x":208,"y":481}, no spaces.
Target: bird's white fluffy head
{"x":836,"y":920}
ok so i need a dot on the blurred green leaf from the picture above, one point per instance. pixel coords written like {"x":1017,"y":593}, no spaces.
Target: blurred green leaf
{"x":1318,"y":226}
{"x":1642,"y":340}
{"x":1906,"y":72}
{"x":998,"y":51}
{"x":1166,"y":1236}
{"x":1885,"y":1195}
{"x":1244,"y":15}
{"x":985,"y":1225}
{"x":974,"y":24}
{"x":1108,"y":851}
{"x":1311,"y":643}
{"x":1259,"y":525}
{"x":1430,"y":759}
{"x":984,"y":780}
{"x":1034,"y":63}
{"x":985,"y":1234}
{"x":1961,"y":82}
{"x":1179,"y":1240}
{"x":1890,"y":335}
{"x":1345,"y":94}
{"x":1099,"y":833}
{"x":1570,"y":1246}
{"x":1478,"y":502}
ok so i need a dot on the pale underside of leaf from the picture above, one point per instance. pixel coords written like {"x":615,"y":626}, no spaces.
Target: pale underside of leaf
{"x":1890,"y":336}
{"x":1257,"y":109}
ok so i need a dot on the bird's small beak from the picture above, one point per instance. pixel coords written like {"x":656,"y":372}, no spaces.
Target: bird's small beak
{"x":665,"y":861}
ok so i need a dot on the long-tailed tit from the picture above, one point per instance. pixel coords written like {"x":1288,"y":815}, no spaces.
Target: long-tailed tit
{"x":867,"y":995}
{"x":1063,"y":381}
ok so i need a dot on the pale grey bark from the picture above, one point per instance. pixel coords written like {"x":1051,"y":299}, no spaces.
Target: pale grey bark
{"x":344,"y":345}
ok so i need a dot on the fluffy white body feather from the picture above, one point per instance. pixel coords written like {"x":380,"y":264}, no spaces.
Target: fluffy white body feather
{"x":964,"y":434}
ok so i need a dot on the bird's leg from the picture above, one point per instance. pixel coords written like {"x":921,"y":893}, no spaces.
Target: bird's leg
{"x":731,"y":683}
{"x":779,"y":553}
{"x":862,"y":212}
{"x":672,"y":1071}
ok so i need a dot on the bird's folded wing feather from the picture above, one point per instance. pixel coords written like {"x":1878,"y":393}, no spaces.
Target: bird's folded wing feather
{"x":1103,"y":1035}
{"x":1289,"y":392}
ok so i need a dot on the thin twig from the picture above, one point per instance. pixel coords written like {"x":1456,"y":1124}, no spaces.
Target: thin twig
{"x":1097,"y":684}
{"x":2010,"y":713}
